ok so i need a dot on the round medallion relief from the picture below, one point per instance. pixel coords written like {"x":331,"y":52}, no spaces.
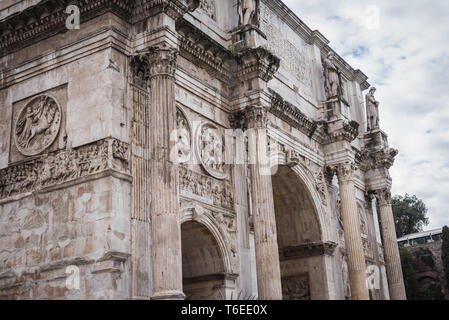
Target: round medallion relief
{"x":37,"y":125}
{"x":210,"y":149}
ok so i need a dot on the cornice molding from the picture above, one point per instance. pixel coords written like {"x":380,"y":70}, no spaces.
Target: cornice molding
{"x":257,"y":63}
{"x":48,"y":17}
{"x":290,"y":113}
{"x":204,"y":51}
{"x":377,"y":154}
{"x":342,"y":130}
{"x":307,"y":250}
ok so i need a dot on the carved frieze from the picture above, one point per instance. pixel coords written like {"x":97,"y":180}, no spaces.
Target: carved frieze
{"x":206,"y":189}
{"x":64,"y":166}
{"x":211,"y":150}
{"x":37,"y":125}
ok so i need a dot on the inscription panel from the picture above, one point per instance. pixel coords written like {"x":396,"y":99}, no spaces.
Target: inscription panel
{"x":290,"y":48}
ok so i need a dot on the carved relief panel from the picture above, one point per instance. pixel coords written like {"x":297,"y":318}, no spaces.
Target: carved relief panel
{"x":38,"y":124}
{"x":296,"y":287}
{"x":210,"y":150}
{"x":183,"y":139}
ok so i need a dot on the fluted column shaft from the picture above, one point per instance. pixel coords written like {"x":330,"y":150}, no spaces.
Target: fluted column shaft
{"x":166,"y":232}
{"x":391,"y":251}
{"x":353,"y":240}
{"x":265,"y":237}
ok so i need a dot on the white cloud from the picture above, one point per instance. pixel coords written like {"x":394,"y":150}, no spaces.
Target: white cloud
{"x":407,"y":59}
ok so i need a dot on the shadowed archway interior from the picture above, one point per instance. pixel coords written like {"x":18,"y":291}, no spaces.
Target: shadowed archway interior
{"x":202,"y":263}
{"x":299,"y":237}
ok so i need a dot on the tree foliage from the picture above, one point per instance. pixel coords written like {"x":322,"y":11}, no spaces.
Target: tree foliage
{"x":418,"y":287}
{"x":409,"y":273}
{"x":409,"y":214}
{"x":445,"y":253}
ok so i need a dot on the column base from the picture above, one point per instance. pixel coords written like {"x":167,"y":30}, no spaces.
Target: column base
{"x":169,"y":295}
{"x":397,"y":292}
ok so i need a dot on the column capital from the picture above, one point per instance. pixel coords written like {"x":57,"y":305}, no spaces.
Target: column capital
{"x":256,"y":117}
{"x":345,"y":170}
{"x":162,"y":60}
{"x":383,"y":196}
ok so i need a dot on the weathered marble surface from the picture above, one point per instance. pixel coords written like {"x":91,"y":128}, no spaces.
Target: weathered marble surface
{"x":107,"y":196}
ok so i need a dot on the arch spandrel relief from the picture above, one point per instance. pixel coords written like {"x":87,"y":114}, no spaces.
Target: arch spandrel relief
{"x":37,"y":125}
{"x":183,"y":139}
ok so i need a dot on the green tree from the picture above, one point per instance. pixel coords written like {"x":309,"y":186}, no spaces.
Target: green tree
{"x":409,"y":273}
{"x":409,"y":214}
{"x":445,"y":253}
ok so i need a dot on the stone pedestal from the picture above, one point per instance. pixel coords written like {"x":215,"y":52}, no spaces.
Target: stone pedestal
{"x":392,"y":258}
{"x":351,"y":225}
{"x":265,"y":238}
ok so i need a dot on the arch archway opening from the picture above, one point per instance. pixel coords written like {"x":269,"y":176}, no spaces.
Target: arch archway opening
{"x":202,"y":263}
{"x":299,"y":235}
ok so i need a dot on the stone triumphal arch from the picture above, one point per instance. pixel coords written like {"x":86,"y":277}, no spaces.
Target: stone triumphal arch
{"x":188,"y":149}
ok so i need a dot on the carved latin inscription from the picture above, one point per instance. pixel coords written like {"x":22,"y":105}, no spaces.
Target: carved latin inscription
{"x":37,"y":125}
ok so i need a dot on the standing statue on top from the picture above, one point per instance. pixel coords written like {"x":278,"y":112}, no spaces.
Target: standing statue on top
{"x":247,"y":11}
{"x":372,"y":110}
{"x":332,"y":77}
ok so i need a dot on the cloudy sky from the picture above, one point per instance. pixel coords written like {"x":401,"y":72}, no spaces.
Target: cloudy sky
{"x":406,"y":56}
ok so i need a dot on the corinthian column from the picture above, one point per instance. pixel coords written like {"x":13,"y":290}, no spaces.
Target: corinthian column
{"x":392,"y":258}
{"x":266,"y":246}
{"x":166,"y":232}
{"x":351,"y":225}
